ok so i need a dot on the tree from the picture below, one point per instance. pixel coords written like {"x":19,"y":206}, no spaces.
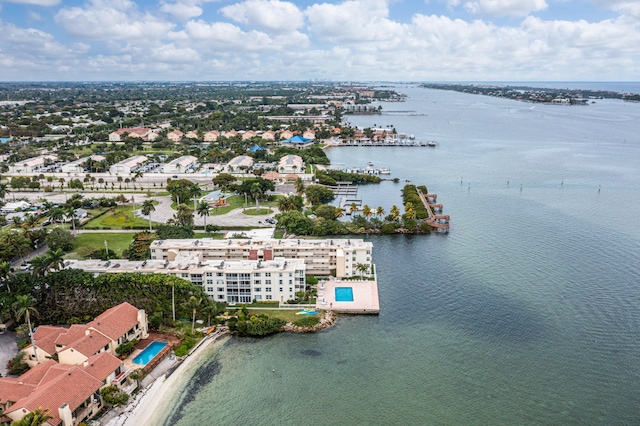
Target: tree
{"x":147,"y":208}
{"x":60,"y":238}
{"x":34,"y":418}
{"x":223,"y":181}
{"x":210,"y":310}
{"x":299,"y":184}
{"x":39,"y":265}
{"x":203,"y":210}
{"x":394,"y":213}
{"x":380,"y":211}
{"x":70,"y":212}
{"x":112,"y":395}
{"x":410,"y":212}
{"x":6,"y":274}
{"x":366,"y":211}
{"x":194,"y":304}
{"x":353,"y":208}
{"x":25,"y":307}
{"x":256,"y":193}
{"x":56,"y":214}
{"x":55,"y":259}
{"x":183,"y":216}
{"x":4,"y":190}
{"x":362,"y":268}
{"x":318,"y":194}
{"x":194,"y":192}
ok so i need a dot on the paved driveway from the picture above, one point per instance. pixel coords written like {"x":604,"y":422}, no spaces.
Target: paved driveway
{"x":8,"y":350}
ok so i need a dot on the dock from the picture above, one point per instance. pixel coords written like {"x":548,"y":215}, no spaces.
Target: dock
{"x":436,"y":221}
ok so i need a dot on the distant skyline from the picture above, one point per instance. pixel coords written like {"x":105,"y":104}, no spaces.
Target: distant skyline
{"x":361,"y":40}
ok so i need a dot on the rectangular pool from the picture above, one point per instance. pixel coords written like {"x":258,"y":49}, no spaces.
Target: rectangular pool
{"x":149,"y":352}
{"x":344,"y":294}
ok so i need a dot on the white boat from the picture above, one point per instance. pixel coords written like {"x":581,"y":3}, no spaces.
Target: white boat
{"x":432,"y":143}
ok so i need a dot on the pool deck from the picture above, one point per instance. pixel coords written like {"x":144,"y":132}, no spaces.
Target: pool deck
{"x":365,"y":297}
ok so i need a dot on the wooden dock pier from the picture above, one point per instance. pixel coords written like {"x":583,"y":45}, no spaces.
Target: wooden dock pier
{"x":440,"y":222}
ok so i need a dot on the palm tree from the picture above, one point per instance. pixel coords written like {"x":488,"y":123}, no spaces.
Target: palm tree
{"x":194,"y":191}
{"x":362,"y":268}
{"x":4,"y":190}
{"x":380,"y":211}
{"x":70,"y":212}
{"x":30,"y":221}
{"x":55,"y":259}
{"x":210,"y":310}
{"x":194,"y":304}
{"x":39,"y":265}
{"x":35,"y":418}
{"x":203,"y":210}
{"x":394,"y":212}
{"x":353,"y":208}
{"x":285,"y":204}
{"x":409,"y":210}
{"x":6,"y":274}
{"x":366,"y":211}
{"x":56,"y":214}
{"x":256,"y":193}
{"x":25,"y":307}
{"x":147,"y":208}
{"x":299,"y":184}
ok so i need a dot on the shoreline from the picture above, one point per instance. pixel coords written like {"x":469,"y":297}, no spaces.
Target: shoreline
{"x":145,"y":408}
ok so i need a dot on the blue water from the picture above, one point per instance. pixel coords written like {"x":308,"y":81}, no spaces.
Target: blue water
{"x":149,"y":353}
{"x":526,"y":312}
{"x":344,"y":294}
{"x":305,"y":312}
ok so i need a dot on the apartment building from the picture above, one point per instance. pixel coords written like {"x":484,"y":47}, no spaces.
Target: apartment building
{"x":337,"y":257}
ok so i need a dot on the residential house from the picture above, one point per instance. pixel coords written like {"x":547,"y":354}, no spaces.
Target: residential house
{"x":309,"y":134}
{"x":269,"y":135}
{"x":291,"y":164}
{"x":239,"y":164}
{"x":249,"y":134}
{"x":192,"y":134}
{"x":33,"y":165}
{"x":212,"y":136}
{"x":175,"y":135}
{"x":143,"y":133}
{"x":70,"y":393}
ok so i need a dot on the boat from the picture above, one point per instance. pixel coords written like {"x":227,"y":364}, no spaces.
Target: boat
{"x":432,"y":143}
{"x":369,"y":164}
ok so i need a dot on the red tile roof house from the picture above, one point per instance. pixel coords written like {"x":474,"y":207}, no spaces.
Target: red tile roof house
{"x":76,"y":344}
{"x":71,"y":393}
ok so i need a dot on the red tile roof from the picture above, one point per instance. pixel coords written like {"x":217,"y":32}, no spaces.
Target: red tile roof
{"x":116,"y":321}
{"x":73,"y":388}
{"x":45,"y":337}
{"x":72,"y":334}
{"x":90,"y":344}
{"x":102,"y":365}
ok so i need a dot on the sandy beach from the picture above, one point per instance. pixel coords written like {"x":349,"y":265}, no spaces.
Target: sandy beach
{"x":148,"y":407}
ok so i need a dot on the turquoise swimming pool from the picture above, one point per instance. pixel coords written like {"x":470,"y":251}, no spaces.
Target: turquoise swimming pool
{"x":149,"y":352}
{"x":344,"y":294}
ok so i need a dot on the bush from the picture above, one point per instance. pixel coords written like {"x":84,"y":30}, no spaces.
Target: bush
{"x":113,"y":396}
{"x":388,"y":228}
{"x":17,"y":366}
{"x":126,"y":348}
{"x":307,"y":321}
{"x":185,"y":347}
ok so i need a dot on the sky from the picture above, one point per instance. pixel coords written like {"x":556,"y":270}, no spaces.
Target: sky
{"x":338,"y":40}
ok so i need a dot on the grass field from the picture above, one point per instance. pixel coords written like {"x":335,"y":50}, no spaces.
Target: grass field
{"x":289,"y":315}
{"x":119,"y":219}
{"x":85,"y":244}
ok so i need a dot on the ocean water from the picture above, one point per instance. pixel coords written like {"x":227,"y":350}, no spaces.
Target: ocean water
{"x":526,"y":312}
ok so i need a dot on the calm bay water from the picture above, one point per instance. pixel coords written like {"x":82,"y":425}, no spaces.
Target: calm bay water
{"x":527,"y":312}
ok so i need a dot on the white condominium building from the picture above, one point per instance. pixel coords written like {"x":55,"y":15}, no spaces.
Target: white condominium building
{"x":337,"y":257}
{"x":224,"y":281}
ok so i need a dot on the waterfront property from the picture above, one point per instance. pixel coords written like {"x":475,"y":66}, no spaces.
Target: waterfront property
{"x":149,"y":353}
{"x":350,"y":297}
{"x":76,"y":344}
{"x":231,"y":281}
{"x":337,"y":257}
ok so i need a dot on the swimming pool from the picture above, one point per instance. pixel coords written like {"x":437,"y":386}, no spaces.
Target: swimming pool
{"x":344,"y":294}
{"x":149,"y":352}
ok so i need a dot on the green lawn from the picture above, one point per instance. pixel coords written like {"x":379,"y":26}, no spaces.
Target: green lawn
{"x":119,"y":219}
{"x":255,"y":212}
{"x":213,"y":236}
{"x":289,"y":315}
{"x":84,"y":244}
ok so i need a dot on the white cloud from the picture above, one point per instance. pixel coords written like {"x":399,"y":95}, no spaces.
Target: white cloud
{"x":353,"y":21}
{"x":184,"y":9}
{"x":624,"y":6}
{"x":499,"y":8}
{"x":111,"y":20}
{"x":268,"y":15}
{"x":35,"y":2}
